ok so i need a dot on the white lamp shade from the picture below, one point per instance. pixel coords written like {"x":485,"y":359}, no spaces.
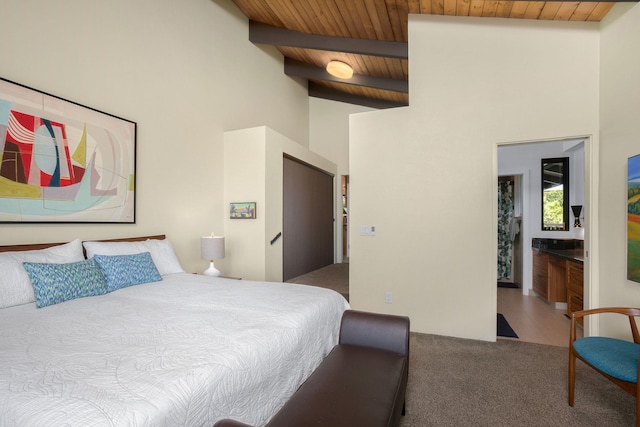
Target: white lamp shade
{"x":212,"y":247}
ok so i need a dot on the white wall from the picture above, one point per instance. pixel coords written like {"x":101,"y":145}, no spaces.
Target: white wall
{"x":426,"y":175}
{"x":184,"y":71}
{"x":329,"y":137}
{"x":620,"y":133}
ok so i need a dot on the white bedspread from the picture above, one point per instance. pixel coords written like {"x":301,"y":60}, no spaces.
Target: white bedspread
{"x":185,"y":351}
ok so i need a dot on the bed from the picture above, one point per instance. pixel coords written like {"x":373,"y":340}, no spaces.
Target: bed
{"x":184,"y":350}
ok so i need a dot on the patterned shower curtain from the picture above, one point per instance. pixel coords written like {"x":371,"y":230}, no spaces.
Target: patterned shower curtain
{"x":505,"y":228}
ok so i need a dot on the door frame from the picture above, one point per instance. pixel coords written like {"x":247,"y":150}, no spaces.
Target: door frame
{"x":591,"y":173}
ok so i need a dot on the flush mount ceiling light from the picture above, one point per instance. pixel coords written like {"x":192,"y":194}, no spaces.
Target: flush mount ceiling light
{"x":340,"y":69}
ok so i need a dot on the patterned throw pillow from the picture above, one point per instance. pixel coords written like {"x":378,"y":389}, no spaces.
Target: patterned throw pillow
{"x":56,"y":283}
{"x":127,"y":270}
{"x":15,"y":286}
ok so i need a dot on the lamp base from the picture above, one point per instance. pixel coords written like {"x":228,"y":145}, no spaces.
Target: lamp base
{"x":212,"y":270}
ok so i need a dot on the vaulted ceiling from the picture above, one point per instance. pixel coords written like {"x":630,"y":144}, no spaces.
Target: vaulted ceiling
{"x":371,"y":36}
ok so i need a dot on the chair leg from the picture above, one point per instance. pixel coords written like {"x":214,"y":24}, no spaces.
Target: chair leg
{"x":572,"y":375}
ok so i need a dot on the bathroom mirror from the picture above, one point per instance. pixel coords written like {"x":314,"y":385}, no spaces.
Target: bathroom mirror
{"x":555,"y":194}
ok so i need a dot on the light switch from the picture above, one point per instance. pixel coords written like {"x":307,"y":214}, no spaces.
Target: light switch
{"x":368,"y":230}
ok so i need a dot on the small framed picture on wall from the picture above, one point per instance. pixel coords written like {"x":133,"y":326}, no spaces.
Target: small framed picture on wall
{"x":242,"y":210}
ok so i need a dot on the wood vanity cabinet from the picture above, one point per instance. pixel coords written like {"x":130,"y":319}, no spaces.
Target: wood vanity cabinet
{"x":540,"y":273}
{"x":557,"y":279}
{"x":575,"y":287}
{"x":549,"y":276}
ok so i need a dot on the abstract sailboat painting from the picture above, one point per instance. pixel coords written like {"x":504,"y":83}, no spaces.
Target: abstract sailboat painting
{"x":63,"y":162}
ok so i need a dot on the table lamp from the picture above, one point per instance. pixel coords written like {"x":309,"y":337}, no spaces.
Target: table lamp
{"x":212,"y":247}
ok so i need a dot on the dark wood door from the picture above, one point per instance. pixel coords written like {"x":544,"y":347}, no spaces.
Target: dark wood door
{"x":307,"y":229}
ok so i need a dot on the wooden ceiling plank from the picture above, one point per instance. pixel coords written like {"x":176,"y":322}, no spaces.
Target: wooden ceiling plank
{"x":298,"y":54}
{"x":534,"y":8}
{"x":519,"y":9}
{"x":379,"y":19}
{"x":489,"y":9}
{"x":365,"y":66}
{"x":396,"y":68}
{"x":413,"y":6}
{"x":583,"y":11}
{"x":323,"y":92}
{"x":462,"y":7}
{"x":313,"y":15}
{"x":600,"y":11}
{"x":566,"y":10}
{"x":425,"y":6}
{"x":325,"y":23}
{"x":348,"y":18}
{"x":437,"y":7}
{"x":399,"y":17}
{"x":266,"y":34}
{"x":338,"y":18}
{"x":475,"y":8}
{"x":504,"y":9}
{"x":288,"y":15}
{"x":259,"y":10}
{"x":366,"y":26}
{"x":549,"y":10}
{"x":348,"y":10}
{"x":371,"y":65}
{"x":403,"y":16}
{"x":300,"y":69}
{"x":450,"y":7}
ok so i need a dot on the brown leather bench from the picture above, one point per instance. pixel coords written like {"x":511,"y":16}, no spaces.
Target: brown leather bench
{"x":362,"y":382}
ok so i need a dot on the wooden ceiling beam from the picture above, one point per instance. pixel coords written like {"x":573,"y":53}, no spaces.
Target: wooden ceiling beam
{"x":260,"y":33}
{"x":319,"y":91}
{"x":295,"y":68}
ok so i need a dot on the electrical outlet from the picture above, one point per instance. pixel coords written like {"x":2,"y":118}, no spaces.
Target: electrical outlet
{"x":387,"y":297}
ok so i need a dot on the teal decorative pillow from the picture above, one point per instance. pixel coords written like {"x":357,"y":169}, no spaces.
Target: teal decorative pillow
{"x":56,"y":283}
{"x":127,"y":270}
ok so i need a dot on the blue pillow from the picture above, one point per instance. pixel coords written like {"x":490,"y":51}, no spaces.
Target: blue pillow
{"x":127,"y":270}
{"x":56,"y":283}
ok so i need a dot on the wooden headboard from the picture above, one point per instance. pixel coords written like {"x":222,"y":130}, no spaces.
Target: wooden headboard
{"x":32,"y":246}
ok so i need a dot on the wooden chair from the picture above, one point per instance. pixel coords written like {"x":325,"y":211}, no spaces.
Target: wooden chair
{"x":616,"y":359}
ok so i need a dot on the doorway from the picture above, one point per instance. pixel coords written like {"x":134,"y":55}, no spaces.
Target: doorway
{"x":523,"y":160}
{"x":307,"y":218}
{"x":509,"y":231}
{"x":345,"y":217}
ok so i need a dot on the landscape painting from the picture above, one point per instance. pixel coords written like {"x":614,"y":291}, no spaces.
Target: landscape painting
{"x":63,"y":162}
{"x":633,"y":218}
{"x":244,"y":210}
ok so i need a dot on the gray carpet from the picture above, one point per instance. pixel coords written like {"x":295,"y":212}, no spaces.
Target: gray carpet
{"x":458,"y":382}
{"x":334,"y":276}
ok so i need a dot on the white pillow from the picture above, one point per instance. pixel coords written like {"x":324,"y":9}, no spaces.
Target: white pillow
{"x":15,"y":284}
{"x":161,"y":252}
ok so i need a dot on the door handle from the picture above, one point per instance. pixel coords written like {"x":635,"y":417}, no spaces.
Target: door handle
{"x":276,"y":238}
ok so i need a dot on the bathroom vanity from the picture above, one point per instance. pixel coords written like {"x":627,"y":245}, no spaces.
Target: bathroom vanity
{"x":558,"y":275}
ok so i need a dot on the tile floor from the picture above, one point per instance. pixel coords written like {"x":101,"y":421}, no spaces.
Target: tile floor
{"x":533,"y":319}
